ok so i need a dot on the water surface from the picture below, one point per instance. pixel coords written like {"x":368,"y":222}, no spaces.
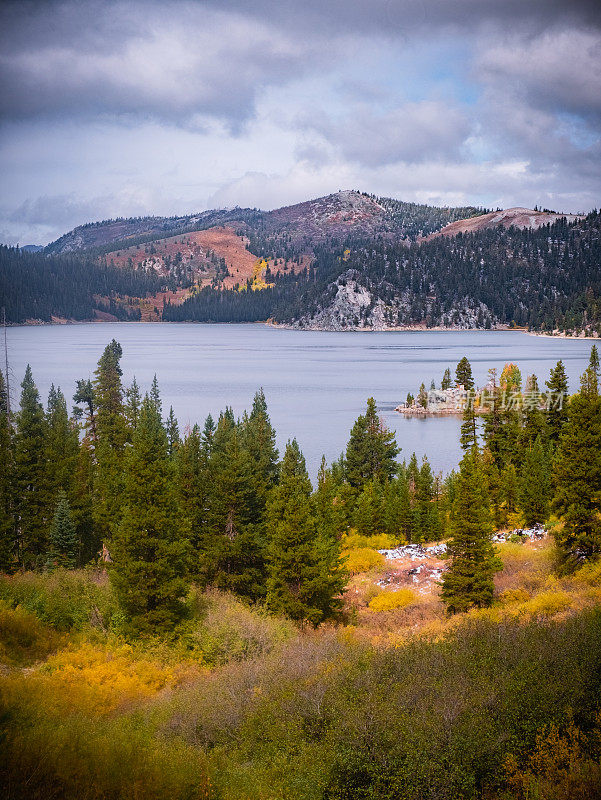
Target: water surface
{"x":316,"y":383}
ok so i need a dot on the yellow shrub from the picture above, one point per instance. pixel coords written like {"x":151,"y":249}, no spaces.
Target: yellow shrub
{"x":363,"y":559}
{"x":380,"y":541}
{"x":101,"y":679}
{"x":389,"y":601}
{"x":514,"y":596}
{"x":548,"y":603}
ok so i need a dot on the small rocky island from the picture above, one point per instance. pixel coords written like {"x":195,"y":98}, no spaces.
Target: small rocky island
{"x":454,"y":396}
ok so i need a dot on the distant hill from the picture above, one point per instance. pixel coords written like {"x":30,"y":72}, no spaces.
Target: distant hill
{"x":32,"y":248}
{"x":510,"y":217}
{"x":346,"y":261}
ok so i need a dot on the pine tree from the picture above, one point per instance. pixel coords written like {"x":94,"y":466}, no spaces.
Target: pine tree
{"x":463,"y":374}
{"x":510,"y":488}
{"x":112,"y":435}
{"x":396,"y":508}
{"x":82,"y":503}
{"x":63,"y":536}
{"x":577,"y":476}
{"x":371,"y":451}
{"x":155,"y":396}
{"x":422,"y":396}
{"x":133,"y":401}
{"x":469,"y":580}
{"x":367,"y":512}
{"x":329,"y":503}
{"x":594,"y":364}
{"x":534,"y":423}
{"x":150,"y":548}
{"x":172,"y":429}
{"x":258,"y":438}
{"x":84,"y":393}
{"x":62,"y":445}
{"x":469,"y":436}
{"x":7,"y":521}
{"x":32,"y":497}
{"x":535,"y":484}
{"x":192,"y":483}
{"x":427,"y":525}
{"x":235,"y":523}
{"x":207,"y":435}
{"x":305,"y":575}
{"x":446,"y":380}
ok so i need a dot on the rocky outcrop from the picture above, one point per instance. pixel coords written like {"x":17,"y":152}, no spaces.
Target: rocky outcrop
{"x":354,"y":304}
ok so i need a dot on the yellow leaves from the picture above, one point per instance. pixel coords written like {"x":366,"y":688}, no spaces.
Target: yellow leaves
{"x":362,"y":559}
{"x":98,"y":680}
{"x":391,"y":601}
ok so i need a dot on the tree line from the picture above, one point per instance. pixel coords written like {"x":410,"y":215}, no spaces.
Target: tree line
{"x":218,"y":507}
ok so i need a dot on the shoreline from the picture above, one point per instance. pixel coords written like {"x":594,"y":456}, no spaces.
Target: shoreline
{"x":288,"y":327}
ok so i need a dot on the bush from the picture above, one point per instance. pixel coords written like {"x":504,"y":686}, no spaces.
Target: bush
{"x":546,"y":604}
{"x":23,"y":638}
{"x":514,"y":596}
{"x":65,"y":599}
{"x":389,"y":601}
{"x":379,"y":541}
{"x":230,"y":630}
{"x":363,"y":559}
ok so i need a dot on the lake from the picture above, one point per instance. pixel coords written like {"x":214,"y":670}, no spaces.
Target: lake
{"x":316,"y":383}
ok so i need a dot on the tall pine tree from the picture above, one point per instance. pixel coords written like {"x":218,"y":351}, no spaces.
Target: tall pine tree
{"x":150,"y":548}
{"x":469,"y":580}
{"x":305,"y":576}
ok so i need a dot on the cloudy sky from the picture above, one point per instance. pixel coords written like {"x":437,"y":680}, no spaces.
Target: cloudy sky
{"x":140,"y":107}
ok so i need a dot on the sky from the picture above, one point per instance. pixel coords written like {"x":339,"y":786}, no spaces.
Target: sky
{"x":123,"y":108}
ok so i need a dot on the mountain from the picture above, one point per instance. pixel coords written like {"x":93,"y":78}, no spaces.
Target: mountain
{"x":507,"y":218}
{"x":32,"y":248}
{"x":347,"y":261}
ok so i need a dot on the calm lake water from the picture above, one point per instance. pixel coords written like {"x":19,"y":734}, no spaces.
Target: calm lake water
{"x":316,"y":383}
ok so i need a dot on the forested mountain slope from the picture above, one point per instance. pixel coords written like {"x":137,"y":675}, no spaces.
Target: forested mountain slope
{"x":342,"y":262}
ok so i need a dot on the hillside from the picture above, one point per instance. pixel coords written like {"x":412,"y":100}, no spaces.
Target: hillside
{"x":510,"y":217}
{"x":346,"y":261}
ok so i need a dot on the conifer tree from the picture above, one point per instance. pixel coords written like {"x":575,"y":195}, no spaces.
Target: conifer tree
{"x":235,"y":535}
{"x":557,"y":401}
{"x":577,"y":476}
{"x":463,"y":374}
{"x":63,"y":536}
{"x":329,"y":502}
{"x":371,"y":451}
{"x":82,"y":503}
{"x":192,"y":482}
{"x":172,"y":429}
{"x":133,"y":401}
{"x":150,"y":548}
{"x":84,"y":393}
{"x":535,"y":484}
{"x":422,"y":396}
{"x":396,"y":511}
{"x":510,"y":488}
{"x":446,"y":380}
{"x":62,"y":445}
{"x":367,"y":512}
{"x":207,"y":435}
{"x":32,"y":496}
{"x":426,"y":520}
{"x":534,"y":423}
{"x":7,"y":521}
{"x":304,"y":573}
{"x":155,"y":396}
{"x":258,"y":438}
{"x":469,"y":580}
{"x":112,"y":435}
{"x":469,"y":437}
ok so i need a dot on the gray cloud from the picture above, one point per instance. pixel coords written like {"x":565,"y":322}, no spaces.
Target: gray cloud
{"x":412,"y":132}
{"x":171,"y":61}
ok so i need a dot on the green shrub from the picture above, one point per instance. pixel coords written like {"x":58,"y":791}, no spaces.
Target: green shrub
{"x":65,"y":599}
